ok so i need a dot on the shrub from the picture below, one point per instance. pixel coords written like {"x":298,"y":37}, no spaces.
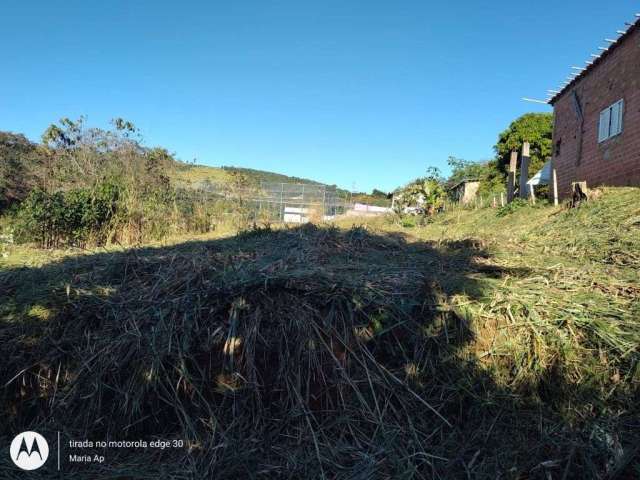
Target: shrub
{"x":408,"y":222}
{"x":67,"y":218}
{"x":511,"y":207}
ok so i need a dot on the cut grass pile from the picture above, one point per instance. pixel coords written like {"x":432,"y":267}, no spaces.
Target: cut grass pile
{"x":476,"y":347}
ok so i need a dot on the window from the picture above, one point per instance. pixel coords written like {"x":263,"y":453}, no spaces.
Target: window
{"x":611,"y":121}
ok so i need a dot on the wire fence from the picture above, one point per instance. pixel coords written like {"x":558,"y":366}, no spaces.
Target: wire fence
{"x":271,"y":201}
{"x":491,"y":200}
{"x":301,"y":203}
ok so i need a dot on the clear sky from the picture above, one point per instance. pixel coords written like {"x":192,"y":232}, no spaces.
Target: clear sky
{"x":368,"y":92}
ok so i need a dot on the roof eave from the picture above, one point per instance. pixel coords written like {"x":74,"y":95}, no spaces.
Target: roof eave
{"x":596,"y":62}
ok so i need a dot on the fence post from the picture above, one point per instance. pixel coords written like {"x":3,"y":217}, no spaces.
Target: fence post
{"x":554,"y":182}
{"x":511,"y":179}
{"x":281,"y":202}
{"x":324,"y":194}
{"x":524,"y":170}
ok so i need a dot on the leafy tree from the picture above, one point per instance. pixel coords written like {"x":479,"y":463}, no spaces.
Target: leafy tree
{"x":433,"y":173}
{"x":491,"y":178}
{"x":19,"y":159}
{"x":464,"y":169}
{"x":535,"y":128}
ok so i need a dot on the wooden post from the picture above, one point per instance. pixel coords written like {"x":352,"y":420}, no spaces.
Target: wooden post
{"x":511,"y":179}
{"x":501,"y":199}
{"x":524,"y":170}
{"x":554,"y":182}
{"x":532,"y":194}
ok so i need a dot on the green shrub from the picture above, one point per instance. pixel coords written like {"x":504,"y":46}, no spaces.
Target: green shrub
{"x":408,"y":222}
{"x":67,"y":218}
{"x":511,"y":207}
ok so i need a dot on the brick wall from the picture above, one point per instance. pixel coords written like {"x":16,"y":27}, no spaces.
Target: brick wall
{"x":615,"y":161}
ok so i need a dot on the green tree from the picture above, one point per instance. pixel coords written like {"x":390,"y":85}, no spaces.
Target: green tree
{"x":464,"y":169}
{"x":19,"y":158}
{"x":491,"y":178}
{"x":535,"y":128}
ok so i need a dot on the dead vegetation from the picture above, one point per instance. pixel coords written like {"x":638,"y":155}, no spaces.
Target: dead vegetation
{"x":323,"y":353}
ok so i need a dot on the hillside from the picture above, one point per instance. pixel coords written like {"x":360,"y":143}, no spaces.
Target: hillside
{"x":23,"y":161}
{"x":483,"y":345}
{"x":194,"y":174}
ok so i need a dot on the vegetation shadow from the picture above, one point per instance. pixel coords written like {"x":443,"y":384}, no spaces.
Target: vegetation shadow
{"x":308,"y":352}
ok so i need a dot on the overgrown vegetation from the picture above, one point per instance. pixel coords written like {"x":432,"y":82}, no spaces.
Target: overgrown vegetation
{"x":424,"y":196}
{"x":491,"y":178}
{"x":376,"y":197}
{"x":67,"y":218}
{"x":427,"y":195}
{"x":478,"y":346}
{"x":89,"y":186}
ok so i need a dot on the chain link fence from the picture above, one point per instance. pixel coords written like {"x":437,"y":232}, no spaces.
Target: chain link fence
{"x":270,"y":201}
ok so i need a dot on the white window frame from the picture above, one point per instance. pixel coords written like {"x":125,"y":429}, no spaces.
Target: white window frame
{"x":610,"y":123}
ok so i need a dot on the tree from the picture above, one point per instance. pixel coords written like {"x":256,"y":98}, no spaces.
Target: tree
{"x":379,"y":193}
{"x":535,"y":128}
{"x":18,"y":160}
{"x":464,"y":169}
{"x":491,"y":178}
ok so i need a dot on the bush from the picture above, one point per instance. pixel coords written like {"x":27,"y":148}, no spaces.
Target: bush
{"x":511,"y":207}
{"x":424,"y":196}
{"x":67,"y":218}
{"x":408,"y":222}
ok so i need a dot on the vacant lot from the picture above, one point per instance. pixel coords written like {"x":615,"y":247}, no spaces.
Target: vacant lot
{"x":483,"y":345}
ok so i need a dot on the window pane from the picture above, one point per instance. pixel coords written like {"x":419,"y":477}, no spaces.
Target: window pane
{"x":620,"y":113}
{"x":603,"y":131}
{"x":615,"y":119}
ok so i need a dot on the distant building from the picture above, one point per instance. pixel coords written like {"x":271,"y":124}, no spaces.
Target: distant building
{"x":596,"y":134}
{"x":465,"y":191}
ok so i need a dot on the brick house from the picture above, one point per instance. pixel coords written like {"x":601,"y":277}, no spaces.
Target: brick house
{"x":596,"y":133}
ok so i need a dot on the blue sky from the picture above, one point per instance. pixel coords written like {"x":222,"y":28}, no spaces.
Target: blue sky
{"x":365,"y":92}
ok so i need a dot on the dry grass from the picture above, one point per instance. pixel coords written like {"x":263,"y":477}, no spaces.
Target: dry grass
{"x":476,"y":347}
{"x":195,"y":174}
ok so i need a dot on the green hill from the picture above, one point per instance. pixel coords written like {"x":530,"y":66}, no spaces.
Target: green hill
{"x":198,"y":173}
{"x":195,"y":175}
